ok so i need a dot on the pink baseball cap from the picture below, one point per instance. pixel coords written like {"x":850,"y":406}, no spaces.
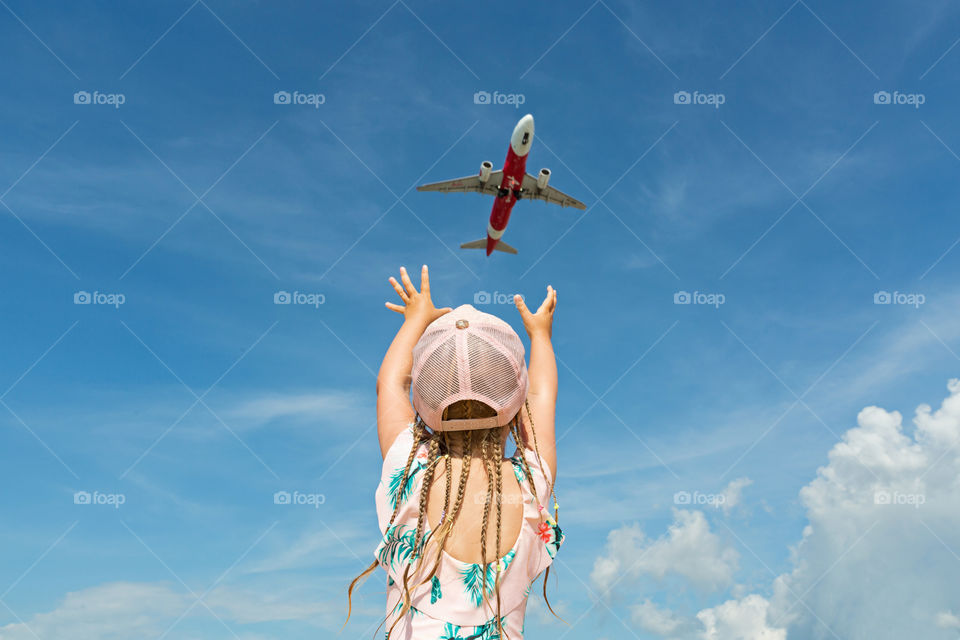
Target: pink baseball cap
{"x":468,"y":355}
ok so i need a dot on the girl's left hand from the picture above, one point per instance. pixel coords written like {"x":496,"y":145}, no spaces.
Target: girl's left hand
{"x":541,"y":322}
{"x":417,"y":305}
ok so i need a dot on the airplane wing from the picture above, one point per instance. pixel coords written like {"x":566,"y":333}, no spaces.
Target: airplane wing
{"x":468,"y":183}
{"x":530,"y":190}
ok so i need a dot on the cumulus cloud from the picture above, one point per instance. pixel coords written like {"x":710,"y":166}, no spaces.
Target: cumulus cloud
{"x":878,"y":557}
{"x":662,"y":622}
{"x":736,"y":619}
{"x":688,"y":549}
{"x":744,"y":619}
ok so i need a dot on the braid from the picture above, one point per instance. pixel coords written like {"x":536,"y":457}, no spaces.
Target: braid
{"x":486,"y":510}
{"x":419,"y":431}
{"x":523,"y":458}
{"x":433,"y":439}
{"x":491,"y":453}
{"x":498,"y":494}
{"x":446,"y":526}
{"x":448,"y":477}
{"x":526,"y":466}
{"x":499,"y":480}
{"x":462,"y":486}
{"x":419,"y":435}
{"x":425,"y":490}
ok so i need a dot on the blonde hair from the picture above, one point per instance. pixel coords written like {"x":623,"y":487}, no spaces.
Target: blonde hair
{"x":491,"y":450}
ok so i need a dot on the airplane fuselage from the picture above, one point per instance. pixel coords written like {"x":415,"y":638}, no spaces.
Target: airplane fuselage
{"x":514,"y":170}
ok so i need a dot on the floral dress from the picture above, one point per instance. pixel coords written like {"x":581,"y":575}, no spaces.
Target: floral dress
{"x":451,"y":605}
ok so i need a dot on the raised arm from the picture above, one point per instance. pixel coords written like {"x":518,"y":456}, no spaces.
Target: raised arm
{"x":542,"y":372}
{"x":394,"y":410}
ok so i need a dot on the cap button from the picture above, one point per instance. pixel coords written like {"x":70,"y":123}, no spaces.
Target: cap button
{"x":463,"y":324}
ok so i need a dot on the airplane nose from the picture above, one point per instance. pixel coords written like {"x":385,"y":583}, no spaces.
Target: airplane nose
{"x":522,"y":135}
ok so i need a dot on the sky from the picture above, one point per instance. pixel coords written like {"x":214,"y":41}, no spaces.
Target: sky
{"x":756,"y":334}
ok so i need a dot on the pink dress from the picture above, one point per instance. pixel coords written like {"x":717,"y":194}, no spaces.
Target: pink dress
{"x":451,"y":606}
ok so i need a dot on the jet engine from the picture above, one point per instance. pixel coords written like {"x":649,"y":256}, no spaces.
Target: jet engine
{"x":485,"y":168}
{"x":543,"y":178}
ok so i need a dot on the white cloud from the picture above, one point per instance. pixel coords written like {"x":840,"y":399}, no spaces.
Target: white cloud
{"x":732,"y":494}
{"x":537,"y":608}
{"x":744,"y":619}
{"x":316,"y":547}
{"x":296,"y":406}
{"x":260,"y":605}
{"x":126,"y":610}
{"x":688,"y":549}
{"x":877,"y":559}
{"x":649,"y":617}
{"x":879,"y":556}
{"x":106,"y":612}
{"x":948,"y":620}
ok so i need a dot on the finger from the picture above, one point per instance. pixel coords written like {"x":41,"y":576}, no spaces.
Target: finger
{"x":407,"y":283}
{"x":444,"y":311}
{"x":395,"y":307}
{"x":398,"y":289}
{"x":545,"y":305}
{"x":553,"y":298}
{"x":424,"y":281}
{"x":521,"y":306}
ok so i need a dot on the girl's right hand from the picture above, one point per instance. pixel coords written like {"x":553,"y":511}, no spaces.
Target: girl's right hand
{"x":541,"y":322}
{"x":417,"y":305}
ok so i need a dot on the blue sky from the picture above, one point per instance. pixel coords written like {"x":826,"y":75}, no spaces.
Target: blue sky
{"x":795,"y":202}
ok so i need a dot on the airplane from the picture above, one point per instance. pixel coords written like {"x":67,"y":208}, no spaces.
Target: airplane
{"x":508,"y":185}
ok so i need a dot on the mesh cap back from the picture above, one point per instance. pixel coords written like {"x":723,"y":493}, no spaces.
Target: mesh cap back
{"x":468,"y":355}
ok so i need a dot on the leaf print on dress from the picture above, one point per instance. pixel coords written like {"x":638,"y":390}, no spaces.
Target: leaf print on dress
{"x":435,"y":590}
{"x":396,"y":492}
{"x":472,"y":575}
{"x":451,"y":632}
{"x":518,"y":470}
{"x":398,"y":544}
{"x":488,"y":631}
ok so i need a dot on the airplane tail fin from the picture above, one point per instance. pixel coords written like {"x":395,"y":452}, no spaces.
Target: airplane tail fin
{"x":482,"y":244}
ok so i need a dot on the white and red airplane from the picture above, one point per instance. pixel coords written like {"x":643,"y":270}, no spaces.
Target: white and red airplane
{"x":508,"y":185}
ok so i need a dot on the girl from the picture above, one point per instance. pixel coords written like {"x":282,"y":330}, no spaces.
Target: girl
{"x":465,"y":529}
